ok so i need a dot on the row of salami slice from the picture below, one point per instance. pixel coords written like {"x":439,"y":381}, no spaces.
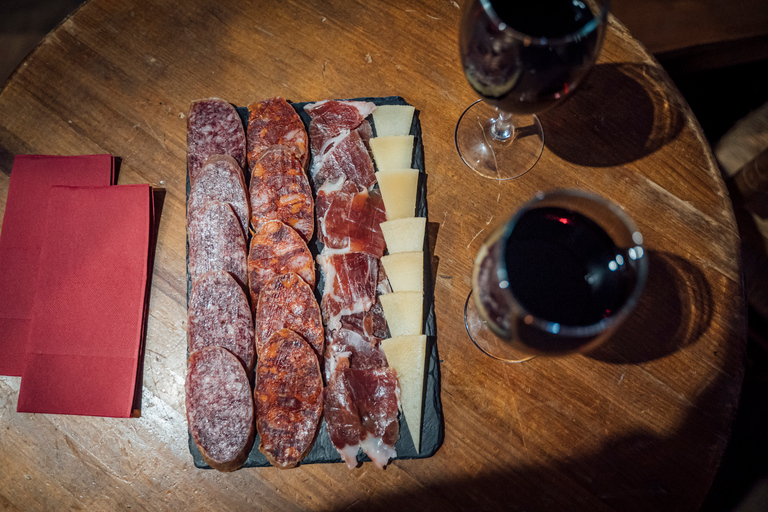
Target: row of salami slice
{"x":276,"y":326}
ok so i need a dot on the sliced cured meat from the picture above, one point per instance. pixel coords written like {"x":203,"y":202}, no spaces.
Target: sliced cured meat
{"x":346,"y":157}
{"x":361,"y":350}
{"x":219,"y":407}
{"x":280,"y":191}
{"x":350,"y":285}
{"x":349,"y":220}
{"x":220,"y":179}
{"x":219,"y":315}
{"x":331,"y":118}
{"x":216,"y":242}
{"x":361,"y":408}
{"x":275,"y":122}
{"x":372,"y":323}
{"x":286,"y":301}
{"x":213,"y":128}
{"x":277,"y":249}
{"x":288,"y":398}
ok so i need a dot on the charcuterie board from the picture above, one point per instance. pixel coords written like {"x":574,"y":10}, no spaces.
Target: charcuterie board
{"x":432,"y":431}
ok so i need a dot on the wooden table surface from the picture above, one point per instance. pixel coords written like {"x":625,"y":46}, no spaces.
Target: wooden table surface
{"x":640,"y":424}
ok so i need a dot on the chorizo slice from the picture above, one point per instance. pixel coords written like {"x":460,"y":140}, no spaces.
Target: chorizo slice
{"x":219,"y":408}
{"x":286,"y":301}
{"x":216,"y":242}
{"x":277,"y":249}
{"x":213,"y":128}
{"x":219,"y":315}
{"x":288,"y":398}
{"x":274,"y":122}
{"x":221,"y":179}
{"x":280,"y":191}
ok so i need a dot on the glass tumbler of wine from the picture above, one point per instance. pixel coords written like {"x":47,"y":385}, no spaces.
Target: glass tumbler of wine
{"x":557,"y":278}
{"x":522,"y":58}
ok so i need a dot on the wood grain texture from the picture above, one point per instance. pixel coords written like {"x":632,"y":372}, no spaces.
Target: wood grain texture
{"x":639,"y":424}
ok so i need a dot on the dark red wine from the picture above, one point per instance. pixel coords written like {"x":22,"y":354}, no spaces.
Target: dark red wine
{"x":523,"y":76}
{"x":564,"y":268}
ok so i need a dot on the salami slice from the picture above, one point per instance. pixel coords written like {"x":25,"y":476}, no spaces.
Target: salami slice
{"x":216,"y":242}
{"x":213,"y":128}
{"x":274,"y":122}
{"x":288,"y":398}
{"x":286,"y":301}
{"x":219,"y":407}
{"x":277,"y":249}
{"x":221,"y":179}
{"x":280,"y":191}
{"x":219,"y":315}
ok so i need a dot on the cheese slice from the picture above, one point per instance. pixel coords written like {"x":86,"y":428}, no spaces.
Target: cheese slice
{"x":404,"y":312}
{"x":398,"y":190}
{"x":404,"y":235}
{"x":392,"y":152}
{"x":407,"y":355}
{"x":393,"y":120}
{"x":405,"y":271}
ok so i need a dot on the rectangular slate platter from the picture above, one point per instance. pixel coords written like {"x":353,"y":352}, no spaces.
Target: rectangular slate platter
{"x":433,"y":426}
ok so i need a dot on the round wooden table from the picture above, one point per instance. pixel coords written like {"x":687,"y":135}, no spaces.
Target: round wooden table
{"x":639,"y":424}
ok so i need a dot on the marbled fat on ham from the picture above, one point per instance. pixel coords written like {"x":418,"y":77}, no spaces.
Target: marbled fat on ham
{"x":288,"y":398}
{"x":219,"y":315}
{"x":221,"y":179}
{"x":286,"y":301}
{"x":213,"y":128}
{"x":280,"y":191}
{"x":216,"y":242}
{"x":274,"y":122}
{"x":219,"y":407}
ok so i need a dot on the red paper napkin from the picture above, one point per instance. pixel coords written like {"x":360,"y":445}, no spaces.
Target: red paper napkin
{"x":22,"y":236}
{"x":88,"y":317}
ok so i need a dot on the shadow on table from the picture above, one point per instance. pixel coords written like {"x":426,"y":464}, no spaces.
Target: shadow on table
{"x":636,"y":471}
{"x":674,"y":310}
{"x":620,"y":114}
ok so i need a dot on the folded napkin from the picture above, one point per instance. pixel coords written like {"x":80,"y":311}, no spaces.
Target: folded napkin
{"x":88,"y":319}
{"x":22,"y":236}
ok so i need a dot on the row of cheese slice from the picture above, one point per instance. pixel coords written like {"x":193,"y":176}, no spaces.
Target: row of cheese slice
{"x":403,"y":232}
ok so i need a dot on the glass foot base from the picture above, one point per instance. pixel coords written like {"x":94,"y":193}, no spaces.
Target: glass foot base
{"x":484,"y":339}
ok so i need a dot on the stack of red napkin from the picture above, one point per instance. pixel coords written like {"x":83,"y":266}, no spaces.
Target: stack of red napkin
{"x":75,"y":266}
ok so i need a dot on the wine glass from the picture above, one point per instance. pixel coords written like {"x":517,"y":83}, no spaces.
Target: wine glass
{"x":558,"y":277}
{"x":522,"y":58}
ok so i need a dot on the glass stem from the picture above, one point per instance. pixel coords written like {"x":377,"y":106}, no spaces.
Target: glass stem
{"x":501,"y":127}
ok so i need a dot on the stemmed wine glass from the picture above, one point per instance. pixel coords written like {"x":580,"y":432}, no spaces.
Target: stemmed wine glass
{"x":522,"y":58}
{"x":558,"y":277}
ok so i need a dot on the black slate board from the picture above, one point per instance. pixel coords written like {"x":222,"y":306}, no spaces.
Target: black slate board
{"x":433,"y":428}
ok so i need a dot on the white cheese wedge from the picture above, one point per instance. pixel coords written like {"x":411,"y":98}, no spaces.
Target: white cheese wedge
{"x":398,"y":190}
{"x":407,"y":355}
{"x":392,"y":152}
{"x":393,"y":120}
{"x":404,"y":312}
{"x":405,"y":271}
{"x":404,"y":235}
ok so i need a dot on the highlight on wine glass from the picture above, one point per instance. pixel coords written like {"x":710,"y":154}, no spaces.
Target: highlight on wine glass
{"x":521,"y":58}
{"x":557,"y":278}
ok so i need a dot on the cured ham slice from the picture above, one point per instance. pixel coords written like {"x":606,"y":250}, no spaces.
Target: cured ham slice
{"x":221,"y":179}
{"x":346,"y":156}
{"x":286,"y":301}
{"x":274,"y":122}
{"x":349,"y":219}
{"x":350,"y":285}
{"x":331,"y":118}
{"x":216,"y":242}
{"x":219,"y":407}
{"x":361,"y":408}
{"x":213,"y":128}
{"x":280,"y":191}
{"x":288,"y":397}
{"x":277,"y":249}
{"x":361,"y":350}
{"x":219,"y":315}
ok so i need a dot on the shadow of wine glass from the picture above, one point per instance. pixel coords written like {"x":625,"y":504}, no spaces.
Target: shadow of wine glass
{"x":622,"y":112}
{"x":673,"y":312}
